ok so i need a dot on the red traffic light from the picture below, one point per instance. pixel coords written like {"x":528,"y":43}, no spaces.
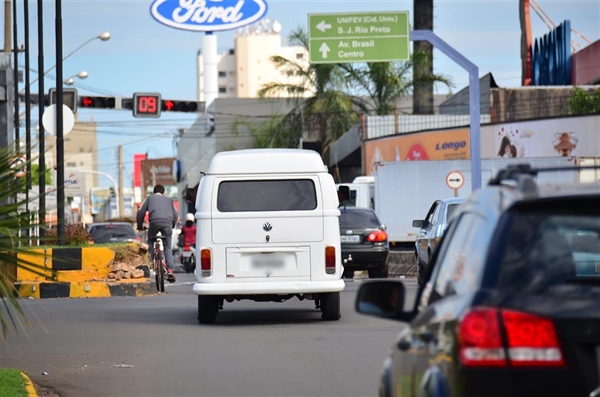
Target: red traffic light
{"x":97,"y":102}
{"x":169,"y":105}
{"x":87,"y":102}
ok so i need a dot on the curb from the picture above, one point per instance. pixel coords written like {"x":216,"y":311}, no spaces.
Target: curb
{"x":91,"y":289}
{"x":29,"y":388}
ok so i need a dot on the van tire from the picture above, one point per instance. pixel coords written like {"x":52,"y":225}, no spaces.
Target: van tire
{"x":207,"y":309}
{"x":330,"y":306}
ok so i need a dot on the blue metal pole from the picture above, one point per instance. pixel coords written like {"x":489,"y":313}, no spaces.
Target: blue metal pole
{"x":474,"y":98}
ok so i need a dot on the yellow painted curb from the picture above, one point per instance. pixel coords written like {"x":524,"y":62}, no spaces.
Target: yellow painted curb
{"x":89,"y":290}
{"x":29,"y":386}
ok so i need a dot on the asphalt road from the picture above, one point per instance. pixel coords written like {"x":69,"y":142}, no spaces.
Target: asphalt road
{"x":154,"y":346}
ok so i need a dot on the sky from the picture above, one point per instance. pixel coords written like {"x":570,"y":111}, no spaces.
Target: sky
{"x":144,"y":55}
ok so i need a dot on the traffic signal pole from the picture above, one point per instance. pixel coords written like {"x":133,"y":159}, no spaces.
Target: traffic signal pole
{"x":41,"y":131}
{"x":60,"y":149}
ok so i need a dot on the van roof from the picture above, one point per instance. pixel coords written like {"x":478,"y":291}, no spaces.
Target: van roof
{"x":266,"y":161}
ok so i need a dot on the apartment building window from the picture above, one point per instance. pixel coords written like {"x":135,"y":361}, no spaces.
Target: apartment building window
{"x":222,"y":90}
{"x":299,"y":55}
{"x":72,"y":165}
{"x":231,"y":89}
{"x":232,"y":73}
{"x":222,"y":74}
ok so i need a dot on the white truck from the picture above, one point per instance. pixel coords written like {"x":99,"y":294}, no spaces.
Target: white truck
{"x":362,"y":192}
{"x":404,"y":191}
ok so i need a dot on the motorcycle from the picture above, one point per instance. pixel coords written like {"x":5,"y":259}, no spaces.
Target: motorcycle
{"x":188,"y":258}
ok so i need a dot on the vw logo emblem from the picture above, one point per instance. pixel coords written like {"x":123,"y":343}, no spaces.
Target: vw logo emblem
{"x":267,"y":227}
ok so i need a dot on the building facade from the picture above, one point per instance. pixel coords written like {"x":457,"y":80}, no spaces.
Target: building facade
{"x":244,"y":69}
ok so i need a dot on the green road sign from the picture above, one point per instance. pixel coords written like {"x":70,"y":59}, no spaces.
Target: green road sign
{"x":358,"y":37}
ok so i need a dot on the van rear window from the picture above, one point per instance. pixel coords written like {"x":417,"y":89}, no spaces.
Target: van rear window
{"x":267,"y":195}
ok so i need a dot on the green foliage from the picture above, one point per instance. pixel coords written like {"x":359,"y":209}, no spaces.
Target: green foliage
{"x":328,"y":97}
{"x":584,"y":102}
{"x":13,"y":222}
{"x":75,"y":234}
{"x":35,"y":177}
{"x":12,"y":383}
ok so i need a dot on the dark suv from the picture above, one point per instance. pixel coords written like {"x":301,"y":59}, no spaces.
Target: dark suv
{"x":511,"y":304}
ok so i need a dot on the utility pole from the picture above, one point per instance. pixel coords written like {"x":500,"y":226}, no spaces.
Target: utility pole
{"x":42,"y":132}
{"x":423,"y":66}
{"x":60,"y":145}
{"x":7,"y":27}
{"x":121,"y":199}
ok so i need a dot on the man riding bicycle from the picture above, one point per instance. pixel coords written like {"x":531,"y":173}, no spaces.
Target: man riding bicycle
{"x":162,"y":217}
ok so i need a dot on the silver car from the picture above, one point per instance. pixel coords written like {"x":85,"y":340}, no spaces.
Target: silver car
{"x":432,"y":228}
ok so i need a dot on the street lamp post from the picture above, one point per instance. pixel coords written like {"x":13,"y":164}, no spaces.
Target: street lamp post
{"x":81,"y":75}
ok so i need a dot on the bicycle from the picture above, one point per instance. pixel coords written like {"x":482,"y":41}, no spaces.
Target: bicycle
{"x":159,"y":264}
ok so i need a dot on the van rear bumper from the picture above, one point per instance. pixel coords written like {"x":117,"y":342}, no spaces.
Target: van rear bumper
{"x":282,"y":287}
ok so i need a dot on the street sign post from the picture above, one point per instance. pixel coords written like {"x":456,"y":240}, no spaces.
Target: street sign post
{"x":455,"y":180}
{"x":359,"y":37}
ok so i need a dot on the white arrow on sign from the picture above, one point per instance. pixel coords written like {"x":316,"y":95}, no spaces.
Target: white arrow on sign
{"x":322,"y":26}
{"x":324,"y":49}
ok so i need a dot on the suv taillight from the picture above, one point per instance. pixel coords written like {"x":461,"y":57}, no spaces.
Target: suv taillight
{"x":377,"y":236}
{"x":205,"y":262}
{"x":531,"y":339}
{"x":330,"y":260}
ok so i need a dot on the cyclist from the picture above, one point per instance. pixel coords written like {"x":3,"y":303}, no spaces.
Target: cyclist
{"x":162,"y":217}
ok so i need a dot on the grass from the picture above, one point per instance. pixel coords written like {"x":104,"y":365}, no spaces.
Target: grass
{"x":12,"y":383}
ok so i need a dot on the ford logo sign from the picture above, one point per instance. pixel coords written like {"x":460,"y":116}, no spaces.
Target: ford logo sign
{"x":208,"y":15}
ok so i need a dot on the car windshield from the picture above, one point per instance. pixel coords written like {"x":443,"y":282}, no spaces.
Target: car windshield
{"x":107,"y":233}
{"x":358,"y":218}
{"x":552,"y":247}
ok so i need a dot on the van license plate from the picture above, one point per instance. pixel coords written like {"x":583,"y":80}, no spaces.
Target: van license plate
{"x":262,"y":263}
{"x":350,"y":239}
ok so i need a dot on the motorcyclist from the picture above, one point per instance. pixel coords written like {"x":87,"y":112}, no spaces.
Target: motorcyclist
{"x":189,"y":231}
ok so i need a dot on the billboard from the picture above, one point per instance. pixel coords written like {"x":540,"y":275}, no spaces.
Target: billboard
{"x":157,"y":172}
{"x":452,"y":144}
{"x":556,"y":137}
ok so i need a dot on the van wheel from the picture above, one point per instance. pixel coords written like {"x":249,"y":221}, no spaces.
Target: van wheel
{"x":330,"y":306}
{"x":380,"y":272}
{"x":208,"y":306}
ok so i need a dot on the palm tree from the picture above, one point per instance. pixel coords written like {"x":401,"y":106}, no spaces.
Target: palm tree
{"x":13,"y":220}
{"x":322,"y":105}
{"x":377,"y":86}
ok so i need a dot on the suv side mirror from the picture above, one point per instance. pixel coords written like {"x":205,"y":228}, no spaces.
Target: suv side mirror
{"x":382,"y":298}
{"x":419,"y":223}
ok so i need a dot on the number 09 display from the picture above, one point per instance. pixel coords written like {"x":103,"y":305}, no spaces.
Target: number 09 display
{"x":146,"y":105}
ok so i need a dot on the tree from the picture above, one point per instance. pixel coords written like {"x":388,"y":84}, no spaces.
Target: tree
{"x":379,"y":85}
{"x":584,"y":102}
{"x":35,"y":177}
{"x":323,"y":108}
{"x":12,"y":221}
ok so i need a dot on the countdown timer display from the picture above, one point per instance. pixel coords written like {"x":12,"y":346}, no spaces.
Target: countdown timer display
{"x":146,"y":105}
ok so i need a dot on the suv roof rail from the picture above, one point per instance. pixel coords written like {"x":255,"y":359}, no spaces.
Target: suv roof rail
{"x":524,"y":173}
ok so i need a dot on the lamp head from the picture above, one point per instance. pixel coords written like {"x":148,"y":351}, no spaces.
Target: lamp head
{"x":104,"y":36}
{"x":83,"y":74}
{"x":69,"y":81}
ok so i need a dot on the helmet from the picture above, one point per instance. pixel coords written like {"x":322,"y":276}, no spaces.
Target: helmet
{"x":190,"y":217}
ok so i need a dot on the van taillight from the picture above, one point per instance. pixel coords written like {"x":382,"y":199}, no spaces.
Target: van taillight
{"x":205,"y":262}
{"x":377,"y":236}
{"x":330,"y":260}
{"x":531,"y":339}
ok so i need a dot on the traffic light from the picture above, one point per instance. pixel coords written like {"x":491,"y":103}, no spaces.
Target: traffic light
{"x":99,"y":102}
{"x":146,"y":105}
{"x":169,"y":105}
{"x":69,"y":98}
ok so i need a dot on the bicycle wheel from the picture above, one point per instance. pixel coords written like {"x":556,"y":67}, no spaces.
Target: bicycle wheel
{"x":158,"y":269}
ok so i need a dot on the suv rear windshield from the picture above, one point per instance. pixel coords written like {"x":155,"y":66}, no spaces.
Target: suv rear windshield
{"x":267,"y":195}
{"x":552,"y":247}
{"x":111,"y":233}
{"x":358,"y":218}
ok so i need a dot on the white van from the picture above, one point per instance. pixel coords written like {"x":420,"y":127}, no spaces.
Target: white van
{"x":268,"y":231}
